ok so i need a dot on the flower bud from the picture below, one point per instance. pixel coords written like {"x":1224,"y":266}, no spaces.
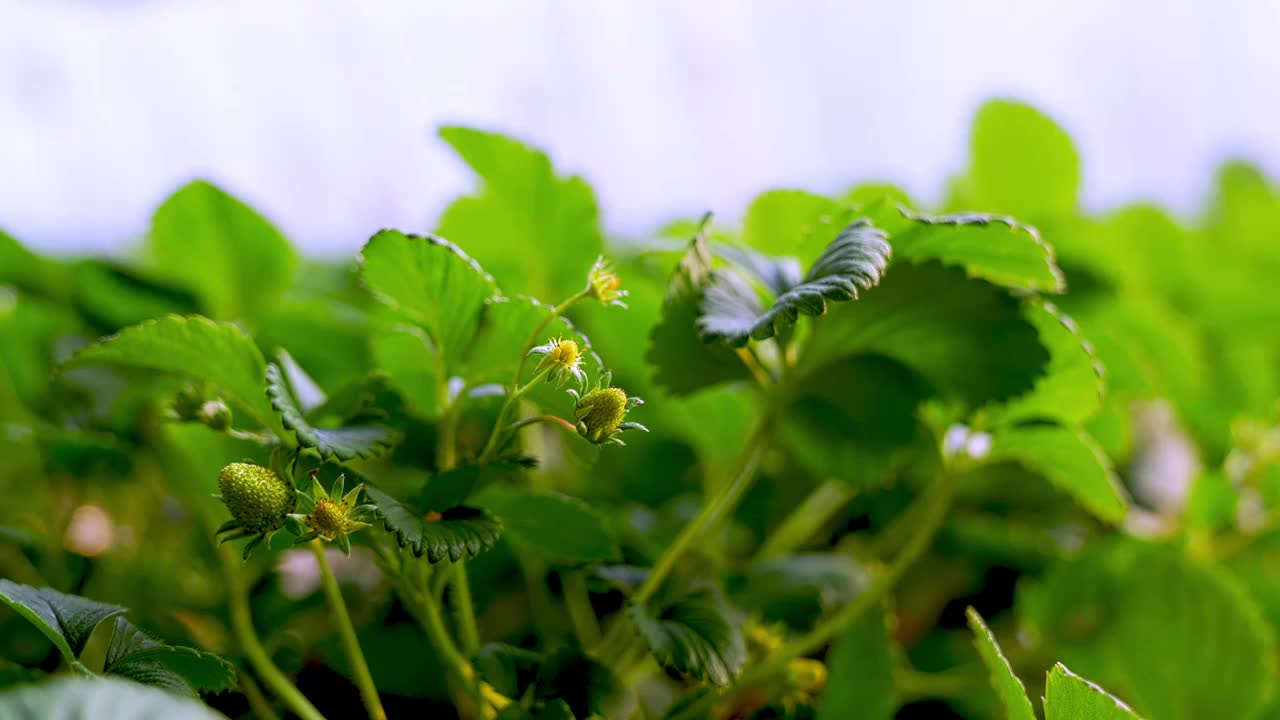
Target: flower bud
{"x":603,"y":284}
{"x":599,"y":414}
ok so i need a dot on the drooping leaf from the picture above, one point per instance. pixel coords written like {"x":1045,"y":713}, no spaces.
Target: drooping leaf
{"x":683,"y":364}
{"x":431,"y":282}
{"x":1022,"y":163}
{"x":536,"y":231}
{"x":67,"y":620}
{"x":344,"y":443}
{"x":693,"y":634}
{"x":1068,"y":696}
{"x":965,"y":337}
{"x":557,"y":527}
{"x":861,"y":667}
{"x":991,"y":247}
{"x":1069,"y":459}
{"x":458,"y":533}
{"x":196,"y":347}
{"x":230,"y":256}
{"x":854,"y":261}
{"x":100,"y":698}
{"x":1012,"y":694}
{"x":140,"y":657}
{"x":1071,"y":389}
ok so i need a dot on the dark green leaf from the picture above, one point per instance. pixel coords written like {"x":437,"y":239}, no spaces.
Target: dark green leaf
{"x":693,"y":634}
{"x":138,"y":656}
{"x":458,"y":533}
{"x":196,"y":347}
{"x":1068,"y":696}
{"x":1069,"y":459}
{"x":557,"y":527}
{"x":67,"y":620}
{"x":586,"y":686}
{"x":861,"y":664}
{"x":82,"y":698}
{"x":855,"y":260}
{"x":991,"y":247}
{"x":344,"y":443}
{"x":232,"y":258}
{"x":1071,"y":389}
{"x":456,"y":485}
{"x":408,"y":358}
{"x":431,"y":282}
{"x":509,"y":669}
{"x":1013,"y":696}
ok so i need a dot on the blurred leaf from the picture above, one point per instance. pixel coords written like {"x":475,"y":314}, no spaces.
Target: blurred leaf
{"x":1022,"y":163}
{"x":1013,"y":696}
{"x":731,"y":309}
{"x":557,"y":527}
{"x":193,"y":346}
{"x":694,"y":635}
{"x":505,"y":328}
{"x":67,"y":620}
{"x":235,"y":261}
{"x":114,"y":296}
{"x":793,"y":223}
{"x":1068,"y":696}
{"x":991,"y":247}
{"x":137,"y":656}
{"x":82,"y":698}
{"x":29,"y":271}
{"x":683,"y":364}
{"x":589,"y":688}
{"x":456,"y":485}
{"x":1071,"y":389}
{"x":344,"y":443}
{"x":509,"y":669}
{"x":861,"y":665}
{"x":406,"y":355}
{"x":537,"y":232}
{"x":1069,"y":459}
{"x":1212,"y":503}
{"x":811,"y":583}
{"x":458,"y":533}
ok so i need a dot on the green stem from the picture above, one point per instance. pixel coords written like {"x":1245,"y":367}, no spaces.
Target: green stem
{"x":548,"y":419}
{"x":556,"y":312}
{"x":500,"y":427}
{"x":258,"y":703}
{"x":347,"y":634}
{"x":934,"y":504}
{"x":585,"y":624}
{"x":812,"y":513}
{"x":247,"y":638}
{"x":427,"y":613}
{"x":468,"y":633}
{"x":913,"y":685}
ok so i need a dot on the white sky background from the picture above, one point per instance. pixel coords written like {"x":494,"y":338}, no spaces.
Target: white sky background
{"x":321,"y":114}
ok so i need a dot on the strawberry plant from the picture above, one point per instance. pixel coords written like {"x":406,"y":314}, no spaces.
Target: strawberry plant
{"x":850,"y":456}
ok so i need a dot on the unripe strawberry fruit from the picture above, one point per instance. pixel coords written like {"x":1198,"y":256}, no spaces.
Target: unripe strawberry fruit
{"x":600,"y":412}
{"x":257,"y":497}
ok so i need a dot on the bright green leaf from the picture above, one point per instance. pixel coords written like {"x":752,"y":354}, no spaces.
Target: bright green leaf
{"x":1013,"y":696}
{"x":214,"y":244}
{"x":67,"y":620}
{"x":557,"y":527}
{"x":1022,"y":163}
{"x":861,"y":664}
{"x":456,"y":534}
{"x":792,"y":223}
{"x":344,"y":443}
{"x":82,"y":698}
{"x":990,"y":247}
{"x":1068,"y":696}
{"x":1071,"y":389}
{"x":1069,"y":459}
{"x":693,"y":634}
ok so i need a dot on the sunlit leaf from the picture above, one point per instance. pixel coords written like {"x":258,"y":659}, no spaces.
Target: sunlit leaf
{"x":1012,"y":694}
{"x":992,"y":247}
{"x":1068,"y":696}
{"x":1069,"y":459}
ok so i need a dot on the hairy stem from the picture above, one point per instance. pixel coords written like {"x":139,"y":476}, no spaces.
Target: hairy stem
{"x":468,"y":633}
{"x":347,"y":634}
{"x":812,"y":513}
{"x":251,"y":646}
{"x":934,"y":505}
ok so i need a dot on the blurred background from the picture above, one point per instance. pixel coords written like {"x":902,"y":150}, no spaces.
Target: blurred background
{"x":323,"y":115}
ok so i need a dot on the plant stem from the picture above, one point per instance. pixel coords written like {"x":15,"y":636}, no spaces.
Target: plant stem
{"x":500,"y":427}
{"x":427,"y":613}
{"x":247,"y":638}
{"x":913,"y":685}
{"x":257,"y":701}
{"x":801,"y":523}
{"x":934,"y":505}
{"x":548,"y":419}
{"x":468,"y":633}
{"x":581,"y":614}
{"x":347,"y":634}
{"x":556,"y":312}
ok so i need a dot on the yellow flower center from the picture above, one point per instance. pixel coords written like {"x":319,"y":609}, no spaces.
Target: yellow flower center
{"x":564,"y":354}
{"x":330,"y":517}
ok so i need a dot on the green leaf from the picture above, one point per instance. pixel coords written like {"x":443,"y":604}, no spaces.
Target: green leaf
{"x":801,"y":587}
{"x":589,"y":688}
{"x":1022,"y":163}
{"x":1071,"y":389}
{"x":967,"y":338}
{"x":1069,"y":459}
{"x":233,"y":259}
{"x":458,"y":533}
{"x":693,"y":634}
{"x":855,"y":260}
{"x":196,"y":347}
{"x":682,"y":363}
{"x":509,"y":669}
{"x":1013,"y":696}
{"x":792,"y":223}
{"x":431,"y":282}
{"x":23,"y":268}
{"x":505,"y":327}
{"x":344,"y":443}
{"x":140,"y":657}
{"x":67,"y":620}
{"x":557,"y":527}
{"x":1068,"y":696}
{"x":536,"y":231}
{"x":456,"y":485}
{"x":407,"y":356}
{"x":113,"y":295}
{"x":861,"y":666}
{"x":102,"y":698}
{"x":991,"y":247}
